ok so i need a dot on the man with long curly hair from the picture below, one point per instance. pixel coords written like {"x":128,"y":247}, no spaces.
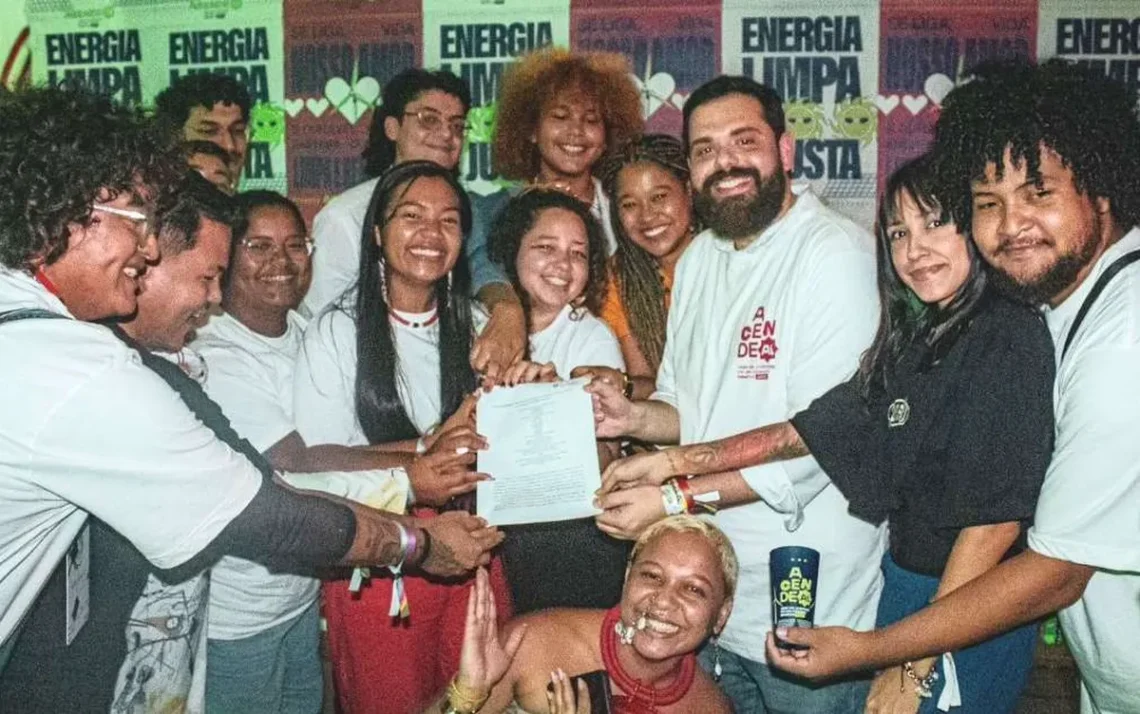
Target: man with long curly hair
{"x":87,"y":429}
{"x":1040,"y":162}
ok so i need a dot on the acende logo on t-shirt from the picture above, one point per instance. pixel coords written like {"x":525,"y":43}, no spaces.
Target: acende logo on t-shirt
{"x":756,"y":351}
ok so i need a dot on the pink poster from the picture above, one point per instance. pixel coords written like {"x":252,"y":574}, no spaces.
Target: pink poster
{"x":925,"y":49}
{"x":338,"y":56}
{"x":673,"y":49}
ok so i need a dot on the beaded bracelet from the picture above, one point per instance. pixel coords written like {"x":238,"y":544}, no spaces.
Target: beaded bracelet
{"x":922,"y":685}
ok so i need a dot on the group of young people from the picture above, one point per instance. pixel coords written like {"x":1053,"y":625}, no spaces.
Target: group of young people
{"x":229,"y":426}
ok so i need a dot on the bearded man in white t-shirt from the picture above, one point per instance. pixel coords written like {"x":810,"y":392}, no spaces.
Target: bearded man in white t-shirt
{"x":772,"y":306}
{"x":1041,"y":163}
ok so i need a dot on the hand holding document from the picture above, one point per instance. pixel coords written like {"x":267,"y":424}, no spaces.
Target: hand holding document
{"x":542,"y":453}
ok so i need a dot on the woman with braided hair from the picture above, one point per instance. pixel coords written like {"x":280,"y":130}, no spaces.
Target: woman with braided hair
{"x":647,"y":180}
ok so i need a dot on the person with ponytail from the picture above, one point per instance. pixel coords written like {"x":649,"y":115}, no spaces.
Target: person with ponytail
{"x":387,"y":366}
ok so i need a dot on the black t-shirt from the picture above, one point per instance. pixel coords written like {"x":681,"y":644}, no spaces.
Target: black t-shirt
{"x":958,"y":442}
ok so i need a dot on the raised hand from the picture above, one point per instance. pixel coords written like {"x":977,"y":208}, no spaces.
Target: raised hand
{"x":485,"y":658}
{"x":831,"y":651}
{"x":613,"y":413}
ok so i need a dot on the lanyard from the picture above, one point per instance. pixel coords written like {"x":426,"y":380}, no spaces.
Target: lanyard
{"x":1117,"y":265}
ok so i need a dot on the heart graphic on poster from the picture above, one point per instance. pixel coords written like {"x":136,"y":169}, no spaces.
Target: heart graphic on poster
{"x":368,"y":90}
{"x":317,"y":107}
{"x":937,"y":86}
{"x":352,"y":101}
{"x":655,"y":91}
{"x":678,"y":100}
{"x":915,"y":104}
{"x":293,"y":107}
{"x":886,"y":104}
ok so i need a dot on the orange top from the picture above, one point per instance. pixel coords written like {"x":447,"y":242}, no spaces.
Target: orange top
{"x":613,"y":310}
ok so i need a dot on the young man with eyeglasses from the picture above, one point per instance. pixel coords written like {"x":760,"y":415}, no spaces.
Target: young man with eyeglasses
{"x":89,"y":430}
{"x":422,"y":117}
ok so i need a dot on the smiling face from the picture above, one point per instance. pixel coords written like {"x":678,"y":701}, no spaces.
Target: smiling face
{"x":421,"y":238}
{"x":553,"y":263}
{"x":1041,"y":237}
{"x":570,"y":136}
{"x":655,"y":209}
{"x":223,"y":125}
{"x":930,"y":257}
{"x":677,"y":582}
{"x":98,"y":276}
{"x":271,"y":267}
{"x":415,"y":142}
{"x":179,"y":293}
{"x":738,"y":166}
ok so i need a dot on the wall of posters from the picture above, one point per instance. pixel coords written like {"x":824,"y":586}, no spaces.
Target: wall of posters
{"x":863,"y":80}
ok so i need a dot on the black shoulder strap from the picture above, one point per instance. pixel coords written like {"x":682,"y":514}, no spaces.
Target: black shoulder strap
{"x":27,"y":313}
{"x":1117,"y":265}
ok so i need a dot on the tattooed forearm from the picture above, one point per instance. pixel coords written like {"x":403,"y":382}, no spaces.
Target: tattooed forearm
{"x":776,"y":442}
{"x":442,"y":559}
{"x":377,"y":540}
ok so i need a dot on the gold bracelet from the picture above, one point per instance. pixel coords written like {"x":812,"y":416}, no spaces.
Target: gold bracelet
{"x":462,"y":699}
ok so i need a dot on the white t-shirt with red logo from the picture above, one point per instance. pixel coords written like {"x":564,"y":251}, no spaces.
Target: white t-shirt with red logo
{"x":753,"y":337}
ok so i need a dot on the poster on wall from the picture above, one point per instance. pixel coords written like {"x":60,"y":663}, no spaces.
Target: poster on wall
{"x":244,"y":41}
{"x":97,"y":45}
{"x":672,"y":50}
{"x":477,"y":40}
{"x":1104,"y":36}
{"x":925,"y":50}
{"x":825,"y":66}
{"x":338,"y":57}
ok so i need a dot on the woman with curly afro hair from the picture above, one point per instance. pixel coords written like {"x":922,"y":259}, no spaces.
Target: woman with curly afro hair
{"x":559,"y":113}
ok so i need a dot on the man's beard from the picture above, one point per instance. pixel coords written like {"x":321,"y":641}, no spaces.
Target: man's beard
{"x":1059,"y":276}
{"x":742,"y":216}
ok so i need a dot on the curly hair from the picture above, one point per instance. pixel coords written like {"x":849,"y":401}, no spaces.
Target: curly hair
{"x":535,"y":79}
{"x":1087,"y":119}
{"x":636,"y":272}
{"x":517,"y":219}
{"x":63,"y":149}
{"x":172,"y":106}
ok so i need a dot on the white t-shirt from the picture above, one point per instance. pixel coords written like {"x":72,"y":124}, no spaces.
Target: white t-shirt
{"x":1089,"y":508}
{"x":336,"y":234}
{"x":324,"y":390}
{"x":251,"y":377}
{"x":86,"y":428}
{"x":576,"y":340}
{"x":753,"y":337}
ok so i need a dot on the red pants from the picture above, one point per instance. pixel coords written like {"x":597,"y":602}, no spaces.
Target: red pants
{"x":386,"y":666}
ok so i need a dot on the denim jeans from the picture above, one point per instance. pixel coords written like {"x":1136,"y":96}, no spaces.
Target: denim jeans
{"x":756,"y":688}
{"x":275,"y":671}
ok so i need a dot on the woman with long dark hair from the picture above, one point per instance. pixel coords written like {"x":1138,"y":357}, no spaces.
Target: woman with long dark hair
{"x":387,"y":366}
{"x":946,"y":430}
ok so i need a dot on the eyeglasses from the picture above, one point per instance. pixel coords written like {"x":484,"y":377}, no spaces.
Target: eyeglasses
{"x":140,"y":219}
{"x":433,"y":122}
{"x":263,"y":248}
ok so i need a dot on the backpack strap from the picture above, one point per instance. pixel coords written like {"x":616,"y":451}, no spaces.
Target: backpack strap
{"x":1105,"y":278}
{"x":27,"y":313}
